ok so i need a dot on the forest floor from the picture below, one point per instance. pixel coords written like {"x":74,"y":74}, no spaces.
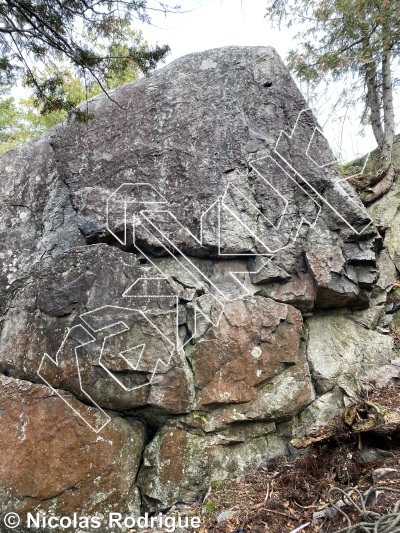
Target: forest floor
{"x":290,"y":492}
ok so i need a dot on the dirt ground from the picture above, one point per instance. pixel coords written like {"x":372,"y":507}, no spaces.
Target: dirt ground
{"x":290,"y":492}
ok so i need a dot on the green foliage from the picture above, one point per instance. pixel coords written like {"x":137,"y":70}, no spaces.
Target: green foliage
{"x":19,"y":122}
{"x":358,"y":166}
{"x":357,"y":39}
{"x":92,"y":38}
{"x":12,"y":130}
{"x":338,"y":36}
{"x":350,"y":169}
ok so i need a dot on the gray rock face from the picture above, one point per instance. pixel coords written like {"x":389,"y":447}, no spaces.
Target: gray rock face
{"x":342,"y":353}
{"x":160,"y":261}
{"x":386,"y":214}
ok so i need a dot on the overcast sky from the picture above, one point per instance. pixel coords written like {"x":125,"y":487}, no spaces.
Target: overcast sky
{"x":213,"y":23}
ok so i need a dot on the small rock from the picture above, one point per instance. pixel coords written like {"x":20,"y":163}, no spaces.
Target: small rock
{"x":385,"y":321}
{"x":380,"y":473}
{"x":226,"y":515}
{"x":317,"y":517}
{"x":331,"y":512}
{"x":368,"y":455}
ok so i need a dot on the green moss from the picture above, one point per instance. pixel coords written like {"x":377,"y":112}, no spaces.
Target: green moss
{"x":218,"y":485}
{"x":210,"y":507}
{"x":200,"y":417}
{"x":269,"y":387}
{"x":349,"y":169}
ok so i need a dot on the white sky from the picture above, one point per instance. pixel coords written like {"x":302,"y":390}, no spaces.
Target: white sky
{"x":205,"y":24}
{"x":214,"y":23}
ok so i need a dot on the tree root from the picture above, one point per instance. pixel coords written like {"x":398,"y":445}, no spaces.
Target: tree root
{"x":363,"y":417}
{"x":379,"y":185}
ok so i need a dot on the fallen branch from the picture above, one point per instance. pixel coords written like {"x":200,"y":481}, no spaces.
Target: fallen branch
{"x":363,"y":417}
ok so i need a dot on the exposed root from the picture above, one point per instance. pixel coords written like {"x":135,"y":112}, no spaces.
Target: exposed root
{"x":371,"y":188}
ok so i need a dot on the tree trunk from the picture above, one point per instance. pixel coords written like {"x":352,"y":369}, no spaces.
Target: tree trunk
{"x":388,"y":109}
{"x":374,"y":101}
{"x":382,"y":121}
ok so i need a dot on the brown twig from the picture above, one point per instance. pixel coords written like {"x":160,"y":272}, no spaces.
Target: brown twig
{"x":282,"y":514}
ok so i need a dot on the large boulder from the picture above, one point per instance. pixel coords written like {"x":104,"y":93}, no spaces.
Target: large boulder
{"x":53,"y":464}
{"x":159,"y":262}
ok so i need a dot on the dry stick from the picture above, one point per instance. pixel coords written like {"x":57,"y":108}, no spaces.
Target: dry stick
{"x":207,"y":494}
{"x":319,"y":507}
{"x":267,"y":495}
{"x":282,"y":514}
{"x":300,"y":528}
